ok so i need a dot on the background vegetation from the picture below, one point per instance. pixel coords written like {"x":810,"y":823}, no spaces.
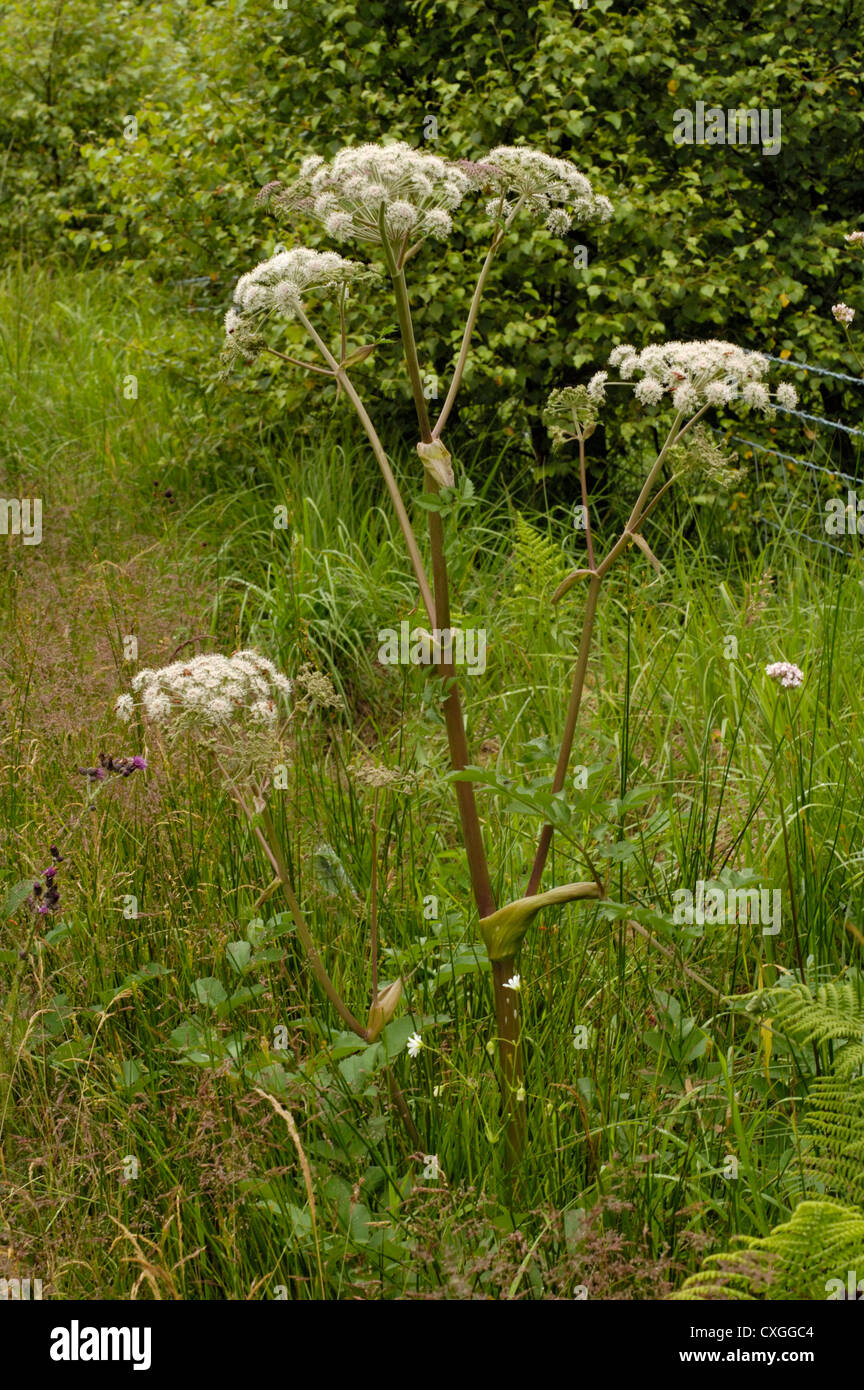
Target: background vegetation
{"x":157,"y":1038}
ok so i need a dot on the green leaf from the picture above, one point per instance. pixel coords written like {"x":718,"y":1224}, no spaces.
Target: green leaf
{"x":15,"y":897}
{"x":239,"y":953}
{"x":210,"y":991}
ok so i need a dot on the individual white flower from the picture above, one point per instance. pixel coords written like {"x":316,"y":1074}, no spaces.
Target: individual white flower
{"x":842,"y":312}
{"x":400,"y":217}
{"x":514,"y":983}
{"x":559,"y":221}
{"x":547,"y":187}
{"x":438,"y":223}
{"x":685,"y":398}
{"x":415,"y":1045}
{"x":264,"y":711}
{"x":339,"y":225}
{"x":124,"y":708}
{"x":753,"y":393}
{"x":157,"y":705}
{"x":596,"y":387}
{"x":786,"y":395}
{"x":520,"y":1095}
{"x":786,"y":673}
{"x":648,"y":391}
{"x":628,"y":366}
{"x":719,"y":392}
{"x":310,"y":164}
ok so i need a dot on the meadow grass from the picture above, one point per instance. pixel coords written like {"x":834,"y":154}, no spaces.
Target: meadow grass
{"x":154,"y":1066}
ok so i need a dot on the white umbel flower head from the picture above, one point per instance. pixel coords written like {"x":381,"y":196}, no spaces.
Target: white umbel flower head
{"x":280,"y":285}
{"x":697,"y":374}
{"x":596,"y":387}
{"x":286,"y":278}
{"x":210,"y":692}
{"x":842,"y":313}
{"x":370,"y":193}
{"x":552,"y":190}
{"x":786,"y":674}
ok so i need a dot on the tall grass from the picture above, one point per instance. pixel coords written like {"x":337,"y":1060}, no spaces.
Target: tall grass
{"x":137,"y":1148}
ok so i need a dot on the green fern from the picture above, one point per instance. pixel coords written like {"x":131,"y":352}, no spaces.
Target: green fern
{"x":821,"y":1241}
{"x":833,"y":1013}
{"x":538,"y":562}
{"x":834,"y":1122}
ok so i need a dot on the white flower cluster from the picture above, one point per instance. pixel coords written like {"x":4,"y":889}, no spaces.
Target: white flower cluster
{"x":550,"y":188}
{"x":842,"y":312}
{"x":854,"y":238}
{"x":788,"y":675}
{"x":280,"y":284}
{"x":371,"y":193}
{"x":209,"y":691}
{"x":695,"y":374}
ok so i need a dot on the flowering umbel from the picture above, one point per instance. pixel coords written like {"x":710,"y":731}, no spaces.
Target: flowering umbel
{"x":570,"y":413}
{"x":210,"y":691}
{"x":786,"y":673}
{"x":552,"y":190}
{"x":842,"y":313}
{"x":697,"y":374}
{"x":375,"y":193}
{"x":279,"y":286}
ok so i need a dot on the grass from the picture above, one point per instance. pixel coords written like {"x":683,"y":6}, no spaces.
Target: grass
{"x":182,"y":1116}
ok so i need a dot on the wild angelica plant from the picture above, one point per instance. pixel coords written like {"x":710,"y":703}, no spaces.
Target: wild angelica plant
{"x":233,"y":708}
{"x":389,"y":200}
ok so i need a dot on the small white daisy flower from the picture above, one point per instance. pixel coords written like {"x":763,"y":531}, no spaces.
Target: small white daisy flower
{"x":415,"y":1045}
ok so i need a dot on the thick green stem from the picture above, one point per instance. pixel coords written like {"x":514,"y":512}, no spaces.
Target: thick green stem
{"x":383,"y":463}
{"x":412,"y":363}
{"x":466,"y":338}
{"x":457,"y":740}
{"x":636,"y":519}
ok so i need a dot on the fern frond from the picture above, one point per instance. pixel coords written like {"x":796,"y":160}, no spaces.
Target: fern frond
{"x":834,"y":1120}
{"x":538,"y":562}
{"x":821,"y":1241}
{"x":833,"y":1013}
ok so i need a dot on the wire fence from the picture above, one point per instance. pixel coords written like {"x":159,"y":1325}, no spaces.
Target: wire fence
{"x":784,"y":505}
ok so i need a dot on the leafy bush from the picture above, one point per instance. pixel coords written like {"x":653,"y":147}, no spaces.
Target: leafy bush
{"x":221,"y":92}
